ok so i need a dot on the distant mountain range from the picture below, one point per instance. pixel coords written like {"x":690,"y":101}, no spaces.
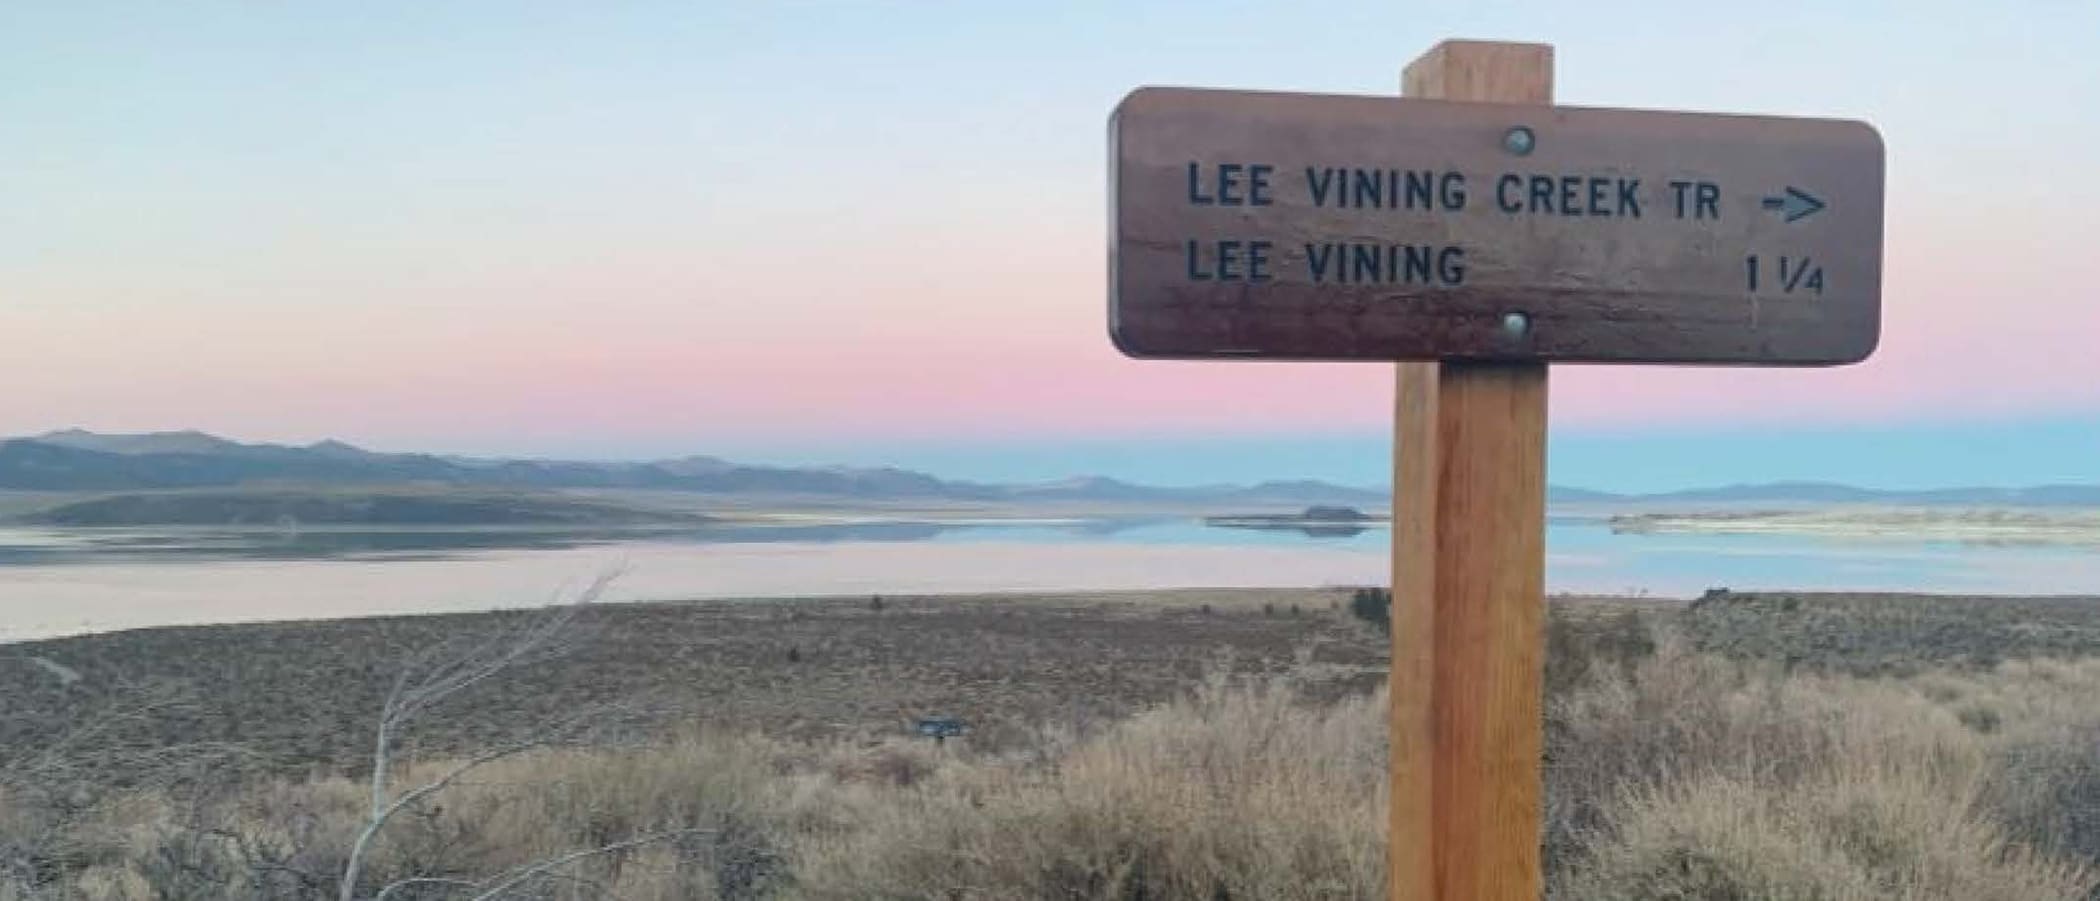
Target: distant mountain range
{"x":76,"y":460}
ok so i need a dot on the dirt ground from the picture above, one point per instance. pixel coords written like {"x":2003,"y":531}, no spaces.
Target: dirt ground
{"x":304,"y":695}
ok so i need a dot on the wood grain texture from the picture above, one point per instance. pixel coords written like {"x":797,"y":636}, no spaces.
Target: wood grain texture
{"x":1411,"y":829}
{"x":1482,"y":71}
{"x":1469,"y":589}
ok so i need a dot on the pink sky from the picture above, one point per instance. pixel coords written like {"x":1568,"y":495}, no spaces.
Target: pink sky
{"x":660,"y":344}
{"x":499,"y":236}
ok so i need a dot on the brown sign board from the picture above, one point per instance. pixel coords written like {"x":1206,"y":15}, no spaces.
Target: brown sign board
{"x":1301,"y":226}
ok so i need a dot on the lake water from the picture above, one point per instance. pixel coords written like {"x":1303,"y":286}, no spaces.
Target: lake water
{"x":55,"y":582}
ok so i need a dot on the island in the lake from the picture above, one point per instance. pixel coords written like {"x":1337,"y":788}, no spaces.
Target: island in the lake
{"x":1317,"y":520}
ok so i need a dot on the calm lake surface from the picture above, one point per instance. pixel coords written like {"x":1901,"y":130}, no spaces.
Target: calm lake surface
{"x":55,"y":582}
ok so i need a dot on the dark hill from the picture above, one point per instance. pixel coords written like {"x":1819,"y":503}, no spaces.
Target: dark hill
{"x":397,"y":507}
{"x":76,"y":461}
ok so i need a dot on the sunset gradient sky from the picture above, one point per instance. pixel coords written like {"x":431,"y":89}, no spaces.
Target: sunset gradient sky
{"x":862,"y":233}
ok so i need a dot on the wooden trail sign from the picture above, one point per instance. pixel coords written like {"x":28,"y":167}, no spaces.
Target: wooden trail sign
{"x":1339,"y":227}
{"x":1478,"y":229}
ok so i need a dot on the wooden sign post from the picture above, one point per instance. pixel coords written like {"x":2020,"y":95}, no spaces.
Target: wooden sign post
{"x":1476,"y":228}
{"x":1469,"y":572}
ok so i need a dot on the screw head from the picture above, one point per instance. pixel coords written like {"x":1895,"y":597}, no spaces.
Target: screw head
{"x":1519,"y":140}
{"x":1516,"y":325}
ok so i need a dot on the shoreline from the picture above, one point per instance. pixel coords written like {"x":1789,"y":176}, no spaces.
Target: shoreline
{"x":1224,"y":598}
{"x":1221,"y":599}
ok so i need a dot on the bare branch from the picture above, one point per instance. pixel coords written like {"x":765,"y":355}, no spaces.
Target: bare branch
{"x":442,"y":671}
{"x":453,"y":775}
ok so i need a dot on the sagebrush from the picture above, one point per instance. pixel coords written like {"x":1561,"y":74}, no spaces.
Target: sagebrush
{"x":1671,"y":773}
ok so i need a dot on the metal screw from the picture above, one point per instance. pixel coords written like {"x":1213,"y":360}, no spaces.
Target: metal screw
{"x":1519,"y":140}
{"x":1516,"y":325}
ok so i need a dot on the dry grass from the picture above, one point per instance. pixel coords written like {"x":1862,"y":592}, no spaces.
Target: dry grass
{"x":1700,"y":777}
{"x":1232,"y":793}
{"x":1247,"y":791}
{"x":1673,"y":773}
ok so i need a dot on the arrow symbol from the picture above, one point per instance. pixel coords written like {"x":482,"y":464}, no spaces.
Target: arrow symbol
{"x":1794,"y":204}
